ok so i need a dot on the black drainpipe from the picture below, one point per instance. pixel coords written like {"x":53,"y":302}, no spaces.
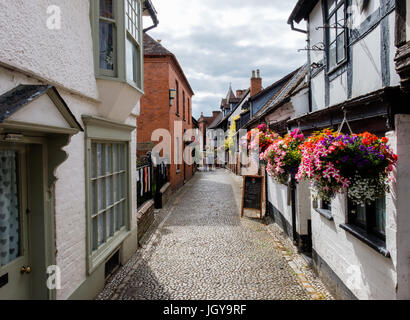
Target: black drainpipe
{"x":152,"y":13}
{"x":293,"y":195}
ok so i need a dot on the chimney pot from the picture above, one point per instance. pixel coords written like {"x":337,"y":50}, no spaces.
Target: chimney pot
{"x":253,"y":73}
{"x":258,"y":73}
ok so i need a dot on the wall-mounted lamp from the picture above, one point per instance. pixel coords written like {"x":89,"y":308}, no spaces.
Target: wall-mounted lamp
{"x":172,"y":96}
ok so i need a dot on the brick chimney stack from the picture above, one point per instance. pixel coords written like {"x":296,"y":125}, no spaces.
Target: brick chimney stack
{"x":256,"y":83}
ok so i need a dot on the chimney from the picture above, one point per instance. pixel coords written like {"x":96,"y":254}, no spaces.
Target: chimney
{"x":215,"y":114}
{"x":256,"y":83}
{"x":239,"y":93}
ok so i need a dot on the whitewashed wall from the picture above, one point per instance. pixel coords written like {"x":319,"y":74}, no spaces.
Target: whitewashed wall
{"x":33,"y":54}
{"x":399,"y":206}
{"x":366,"y":273}
{"x":316,"y":37}
{"x":366,"y":59}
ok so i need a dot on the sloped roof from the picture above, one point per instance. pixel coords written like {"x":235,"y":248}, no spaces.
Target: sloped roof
{"x":302,"y":10}
{"x":22,"y":95}
{"x":153,"y":48}
{"x":293,"y":85}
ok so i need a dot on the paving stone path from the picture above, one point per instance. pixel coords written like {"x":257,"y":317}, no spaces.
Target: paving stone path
{"x":202,"y":249}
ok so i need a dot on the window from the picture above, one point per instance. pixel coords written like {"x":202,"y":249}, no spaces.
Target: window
{"x":108,"y":187}
{"x":336,"y":33}
{"x":109,"y":192}
{"x":107,"y":31}
{"x":177,"y":97}
{"x":117,"y":35}
{"x":183,"y":105}
{"x":189,"y":111}
{"x":370,"y":218}
{"x":133,"y":56}
{"x":177,"y":154}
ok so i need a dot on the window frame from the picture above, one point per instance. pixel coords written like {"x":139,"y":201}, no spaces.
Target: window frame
{"x":105,"y":131}
{"x":183,"y":106}
{"x":177,"y":98}
{"x":369,"y":227}
{"x":120,"y":43}
{"x":327,"y":17}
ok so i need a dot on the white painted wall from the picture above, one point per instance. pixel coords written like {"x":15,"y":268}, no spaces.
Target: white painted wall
{"x":367,"y":71}
{"x":338,"y":89}
{"x":279,"y":196}
{"x":300,"y":102}
{"x":394,"y":76}
{"x":35,"y":55}
{"x":398,"y":206}
{"x":62,"y":57}
{"x":368,"y":274}
{"x":318,"y":91}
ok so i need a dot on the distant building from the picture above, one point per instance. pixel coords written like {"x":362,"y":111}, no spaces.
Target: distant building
{"x":163,"y":75}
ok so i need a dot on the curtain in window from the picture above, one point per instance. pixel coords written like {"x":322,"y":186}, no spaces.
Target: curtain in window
{"x":9,"y":208}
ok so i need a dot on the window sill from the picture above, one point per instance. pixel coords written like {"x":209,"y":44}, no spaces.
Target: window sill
{"x":98,"y":257}
{"x":372,"y":241}
{"x":325,"y":213}
{"x":337,"y":68}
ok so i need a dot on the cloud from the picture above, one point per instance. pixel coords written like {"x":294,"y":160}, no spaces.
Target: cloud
{"x":220,"y":42}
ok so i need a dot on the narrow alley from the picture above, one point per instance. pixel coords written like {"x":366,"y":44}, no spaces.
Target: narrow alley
{"x":201,"y":249}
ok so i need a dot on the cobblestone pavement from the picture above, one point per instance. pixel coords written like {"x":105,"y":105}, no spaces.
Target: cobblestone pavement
{"x":201,"y":249}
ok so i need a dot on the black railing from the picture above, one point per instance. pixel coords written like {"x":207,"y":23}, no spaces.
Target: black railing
{"x":145,"y":181}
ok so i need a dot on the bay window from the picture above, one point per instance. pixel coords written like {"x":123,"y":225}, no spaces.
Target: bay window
{"x":117,"y":34}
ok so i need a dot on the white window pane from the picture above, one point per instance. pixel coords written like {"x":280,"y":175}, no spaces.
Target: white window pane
{"x":108,"y":158}
{"x":100,"y":229}
{"x":109,"y":191}
{"x":107,"y":9}
{"x":115,"y":155}
{"x":132,"y":56}
{"x":122,"y":157}
{"x":331,"y":5}
{"x":332,"y":55}
{"x":116,"y":189}
{"x":116,"y":218}
{"x":106,"y":36}
{"x":101,"y":191}
{"x":100,"y":167}
{"x":108,"y":217}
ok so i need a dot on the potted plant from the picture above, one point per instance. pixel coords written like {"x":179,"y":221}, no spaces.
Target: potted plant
{"x":335,"y":162}
{"x":283,"y":156}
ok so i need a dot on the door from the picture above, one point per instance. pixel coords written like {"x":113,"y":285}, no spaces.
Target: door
{"x":15,"y":272}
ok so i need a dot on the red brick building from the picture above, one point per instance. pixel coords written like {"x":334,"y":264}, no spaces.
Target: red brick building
{"x":162,"y":74}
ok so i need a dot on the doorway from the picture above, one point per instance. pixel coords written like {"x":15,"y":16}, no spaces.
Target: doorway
{"x":23,"y":221}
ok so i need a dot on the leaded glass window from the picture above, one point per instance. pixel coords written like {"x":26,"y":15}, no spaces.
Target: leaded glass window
{"x":108,"y":191}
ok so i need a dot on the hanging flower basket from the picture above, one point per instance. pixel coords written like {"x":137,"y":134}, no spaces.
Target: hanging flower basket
{"x":283,"y":156}
{"x":360,"y":164}
{"x":260,"y":139}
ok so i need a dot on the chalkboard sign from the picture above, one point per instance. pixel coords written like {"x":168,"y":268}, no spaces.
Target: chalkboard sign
{"x":252,"y":193}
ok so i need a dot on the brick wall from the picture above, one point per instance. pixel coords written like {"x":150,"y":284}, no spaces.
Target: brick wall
{"x":160,"y":75}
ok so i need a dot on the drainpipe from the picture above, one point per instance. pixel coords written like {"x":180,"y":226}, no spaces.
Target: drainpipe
{"x":292,"y":26}
{"x":293,"y":195}
{"x":148,"y":6}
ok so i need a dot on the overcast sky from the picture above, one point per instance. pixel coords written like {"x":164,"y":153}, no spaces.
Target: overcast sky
{"x":218,"y":42}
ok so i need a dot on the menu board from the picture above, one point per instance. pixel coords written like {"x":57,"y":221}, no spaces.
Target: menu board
{"x":252,"y":193}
